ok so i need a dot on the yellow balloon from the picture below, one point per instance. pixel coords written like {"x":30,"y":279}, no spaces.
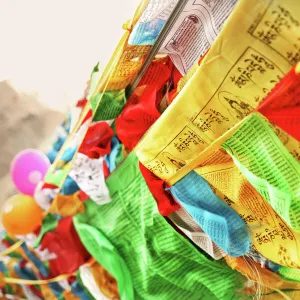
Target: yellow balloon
{"x":21,"y":215}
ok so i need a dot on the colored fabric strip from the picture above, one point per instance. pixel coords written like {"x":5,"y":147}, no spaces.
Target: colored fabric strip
{"x":113,"y":158}
{"x":288,"y":119}
{"x":90,"y":284}
{"x":97,"y":140}
{"x":146,"y":33}
{"x":68,"y":154}
{"x":220,"y":222}
{"x":107,"y":255}
{"x":64,"y":242}
{"x":105,"y":282}
{"x":165,"y":202}
{"x":81,"y":283}
{"x":79,"y":291}
{"x":141,"y":110}
{"x":39,"y":265}
{"x":264,"y":262}
{"x":49,"y":223}
{"x":88,"y":174}
{"x":282,"y":105}
{"x":267,"y":279}
{"x":138,"y":115}
{"x":220,"y":94}
{"x":193,"y":231}
{"x":268,"y":166}
{"x":290,"y":274}
{"x":67,"y":205}
{"x":69,"y":187}
{"x":110,"y":105}
{"x":161,"y":262}
{"x":270,"y":235}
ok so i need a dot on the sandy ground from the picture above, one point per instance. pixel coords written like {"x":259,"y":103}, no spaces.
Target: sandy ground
{"x":25,"y":123}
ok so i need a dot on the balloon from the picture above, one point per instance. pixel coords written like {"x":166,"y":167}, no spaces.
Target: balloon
{"x":21,"y":215}
{"x":27,"y":169}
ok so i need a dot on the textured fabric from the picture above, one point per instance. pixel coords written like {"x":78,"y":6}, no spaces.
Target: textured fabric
{"x":110,"y":106}
{"x":268,"y":166}
{"x":264,"y":262}
{"x":146,"y":33}
{"x":79,"y":282}
{"x":116,"y":151}
{"x":69,"y":187}
{"x":42,"y":269}
{"x":220,"y":222}
{"x":162,"y":263}
{"x":63,"y":131}
{"x":78,"y":290}
{"x":141,"y":110}
{"x":97,"y":140}
{"x":56,"y":177}
{"x":290,"y":274}
{"x":265,"y":277}
{"x":49,"y":223}
{"x":39,"y":265}
{"x":105,"y":282}
{"x":67,"y":205}
{"x":89,"y":175}
{"x":52,"y":155}
{"x":191,"y":229}
{"x":282,"y":105}
{"x":139,"y":114}
{"x":165,"y":202}
{"x":65,"y":244}
{"x":68,"y":154}
{"x":92,"y":83}
{"x":107,"y":255}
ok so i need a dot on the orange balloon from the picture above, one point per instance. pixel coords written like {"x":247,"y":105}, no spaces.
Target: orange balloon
{"x":21,"y":215}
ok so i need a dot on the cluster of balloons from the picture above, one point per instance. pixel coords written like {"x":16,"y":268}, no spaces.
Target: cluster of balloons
{"x":20,"y":213}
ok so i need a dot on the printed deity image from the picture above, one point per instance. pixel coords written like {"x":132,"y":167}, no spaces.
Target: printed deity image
{"x":179,"y":175}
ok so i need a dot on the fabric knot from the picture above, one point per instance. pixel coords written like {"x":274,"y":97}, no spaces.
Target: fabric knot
{"x":128,"y":25}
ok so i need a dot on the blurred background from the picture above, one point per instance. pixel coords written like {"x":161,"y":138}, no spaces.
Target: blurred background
{"x":48,"y":50}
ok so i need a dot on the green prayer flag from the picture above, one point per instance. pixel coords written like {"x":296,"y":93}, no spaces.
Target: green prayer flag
{"x":94,"y":79}
{"x":290,"y":274}
{"x":162,"y":264}
{"x":107,"y":106}
{"x":56,"y":177}
{"x":268,"y":165}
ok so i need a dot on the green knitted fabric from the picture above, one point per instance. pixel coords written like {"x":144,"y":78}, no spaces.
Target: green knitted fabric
{"x":290,"y":274}
{"x":110,"y":106}
{"x":268,"y":165}
{"x":163,"y":264}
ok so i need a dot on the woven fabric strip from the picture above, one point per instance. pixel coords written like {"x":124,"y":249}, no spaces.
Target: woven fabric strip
{"x":162,"y":263}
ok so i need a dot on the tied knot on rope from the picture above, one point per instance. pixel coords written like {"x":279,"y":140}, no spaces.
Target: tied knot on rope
{"x":128,"y":25}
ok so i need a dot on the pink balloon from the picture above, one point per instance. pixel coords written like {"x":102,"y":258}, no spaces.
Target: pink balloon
{"x":27,"y":169}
